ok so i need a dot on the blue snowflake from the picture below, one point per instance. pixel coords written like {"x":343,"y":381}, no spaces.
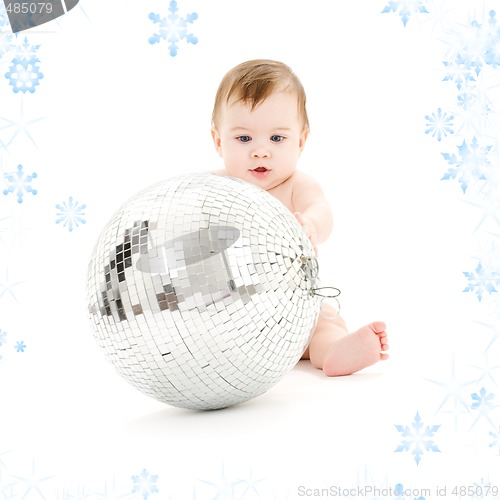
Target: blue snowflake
{"x":470,"y":165}
{"x":4,"y":19}
{"x":145,"y":484}
{"x":482,"y":403}
{"x":20,"y":346}
{"x":439,"y":124}
{"x":481,"y":399}
{"x":482,"y":490}
{"x":492,"y":43}
{"x":25,"y":49}
{"x":474,"y":47}
{"x":173,"y":28}
{"x":461,"y":70}
{"x":407,"y":7}
{"x":5,"y":37}
{"x":70,"y":214}
{"x":467,"y":99}
{"x":418,"y":438}
{"x":3,"y":336}
{"x":496,"y":440}
{"x":482,"y":280}
{"x":467,"y":60}
{"x":19,"y":183}
{"x":24,"y":74}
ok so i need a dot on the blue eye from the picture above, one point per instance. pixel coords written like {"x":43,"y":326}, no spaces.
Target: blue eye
{"x":244,"y":138}
{"x":277,"y":138}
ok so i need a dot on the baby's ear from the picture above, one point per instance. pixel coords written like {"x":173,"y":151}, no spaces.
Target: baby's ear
{"x":217,"y":141}
{"x":302,"y":139}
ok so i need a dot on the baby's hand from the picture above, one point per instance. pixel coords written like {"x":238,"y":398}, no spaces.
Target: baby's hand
{"x":309,"y":228}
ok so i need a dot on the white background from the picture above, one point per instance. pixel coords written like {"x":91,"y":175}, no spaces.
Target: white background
{"x":120,"y":114}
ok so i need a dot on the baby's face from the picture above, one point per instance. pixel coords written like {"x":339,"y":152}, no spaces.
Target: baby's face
{"x":261,"y":146}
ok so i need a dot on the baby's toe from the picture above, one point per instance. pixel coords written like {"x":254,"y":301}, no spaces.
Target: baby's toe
{"x":378,"y":327}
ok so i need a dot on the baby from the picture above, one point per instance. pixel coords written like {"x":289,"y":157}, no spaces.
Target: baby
{"x":260,"y":128}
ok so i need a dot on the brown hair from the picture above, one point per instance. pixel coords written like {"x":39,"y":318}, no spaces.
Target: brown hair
{"x":254,"y":81}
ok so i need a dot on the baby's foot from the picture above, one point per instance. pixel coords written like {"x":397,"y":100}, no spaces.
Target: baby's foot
{"x":357,"y":350}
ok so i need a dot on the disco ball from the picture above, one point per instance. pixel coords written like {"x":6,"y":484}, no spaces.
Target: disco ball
{"x":201,"y":291}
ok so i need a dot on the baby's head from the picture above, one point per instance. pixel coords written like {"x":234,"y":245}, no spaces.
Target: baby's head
{"x":252,"y":82}
{"x":259,"y":122}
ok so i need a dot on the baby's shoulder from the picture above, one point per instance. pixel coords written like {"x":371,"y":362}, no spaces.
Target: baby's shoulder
{"x":300,"y":180}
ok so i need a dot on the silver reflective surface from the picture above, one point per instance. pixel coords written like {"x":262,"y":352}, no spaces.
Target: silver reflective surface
{"x":199,"y":291}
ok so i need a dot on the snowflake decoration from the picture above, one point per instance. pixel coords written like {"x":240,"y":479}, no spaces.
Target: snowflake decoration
{"x":3,"y":336}
{"x":6,"y":286}
{"x":418,"y":438}
{"x":145,"y":484}
{"x":482,"y":490}
{"x":467,"y":51}
{"x":440,"y":124}
{"x":19,"y":183}
{"x":482,"y":403}
{"x":471,"y":50}
{"x":476,"y":45}
{"x":469,"y":165}
{"x":481,"y":399}
{"x":492,"y":42}
{"x":460,"y":70}
{"x":173,"y":28}
{"x":5,"y":42}
{"x":488,"y":202}
{"x":455,"y":400}
{"x":488,"y":366}
{"x":20,"y":346}
{"x":5,"y":36}
{"x":496,"y":440}
{"x":18,"y":126}
{"x":70,"y":214}
{"x":24,"y":74}
{"x":33,"y":483}
{"x":24,"y":49}
{"x":407,"y":7}
{"x":467,"y":99}
{"x":4,"y":19}
{"x":482,"y":280}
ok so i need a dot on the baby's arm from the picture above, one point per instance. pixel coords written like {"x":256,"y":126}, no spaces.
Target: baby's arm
{"x":314,"y":213}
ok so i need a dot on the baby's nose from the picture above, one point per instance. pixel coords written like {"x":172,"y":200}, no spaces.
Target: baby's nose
{"x":260,"y":152}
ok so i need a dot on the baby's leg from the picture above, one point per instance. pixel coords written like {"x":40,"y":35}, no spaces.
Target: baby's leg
{"x":338,"y":352}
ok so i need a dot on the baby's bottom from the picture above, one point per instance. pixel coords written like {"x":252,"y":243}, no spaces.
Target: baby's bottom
{"x":338,"y":352}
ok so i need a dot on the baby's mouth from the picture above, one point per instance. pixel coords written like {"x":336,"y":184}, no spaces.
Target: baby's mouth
{"x":260,"y":172}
